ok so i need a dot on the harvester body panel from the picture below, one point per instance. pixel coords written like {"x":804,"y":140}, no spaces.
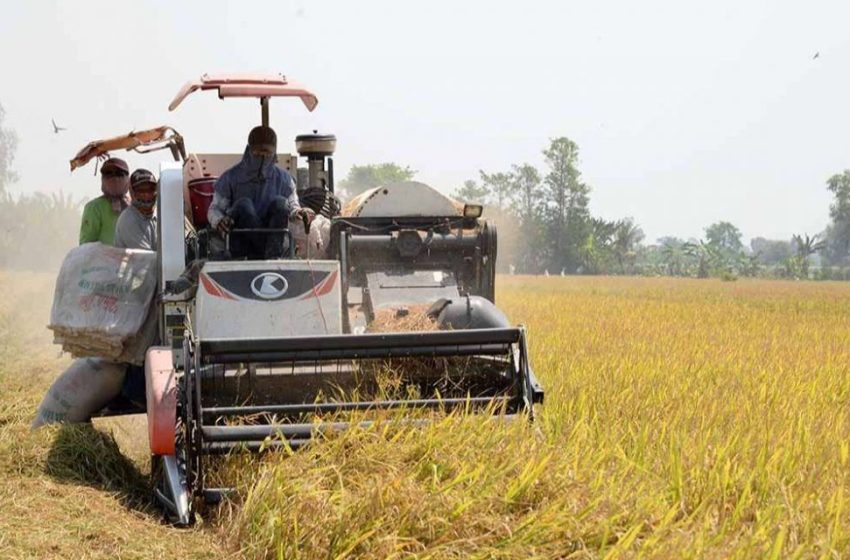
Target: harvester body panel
{"x":260,"y":299}
{"x":398,"y":288}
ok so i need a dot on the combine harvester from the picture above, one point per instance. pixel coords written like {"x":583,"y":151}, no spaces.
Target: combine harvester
{"x":286,"y":342}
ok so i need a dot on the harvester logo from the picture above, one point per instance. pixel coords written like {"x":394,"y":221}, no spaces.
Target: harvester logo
{"x":269,"y":285}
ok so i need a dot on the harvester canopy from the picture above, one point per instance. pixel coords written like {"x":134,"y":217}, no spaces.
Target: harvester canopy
{"x":247,"y":85}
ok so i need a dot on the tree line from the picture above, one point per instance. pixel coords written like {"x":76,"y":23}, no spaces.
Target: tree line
{"x":546,"y":228}
{"x":544,"y":222}
{"x":549,"y":211}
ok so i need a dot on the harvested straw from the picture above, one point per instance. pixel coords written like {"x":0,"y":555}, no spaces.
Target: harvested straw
{"x":410,"y":318}
{"x":422,"y":377}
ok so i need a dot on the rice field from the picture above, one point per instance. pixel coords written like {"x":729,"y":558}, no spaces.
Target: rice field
{"x":683,"y":419}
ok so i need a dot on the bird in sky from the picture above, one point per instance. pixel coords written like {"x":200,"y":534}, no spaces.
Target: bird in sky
{"x":56,"y":128}
{"x":817,"y":54}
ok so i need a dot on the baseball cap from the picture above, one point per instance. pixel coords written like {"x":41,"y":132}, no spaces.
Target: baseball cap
{"x":140,"y":177}
{"x":115,"y":163}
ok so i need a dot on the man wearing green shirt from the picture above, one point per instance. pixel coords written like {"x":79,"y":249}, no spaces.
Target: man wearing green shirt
{"x":101,"y":214}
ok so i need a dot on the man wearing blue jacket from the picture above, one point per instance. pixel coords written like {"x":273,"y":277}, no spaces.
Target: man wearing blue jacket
{"x":256,"y":193}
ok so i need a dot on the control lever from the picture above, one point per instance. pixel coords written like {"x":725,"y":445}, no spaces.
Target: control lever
{"x":306,"y":219}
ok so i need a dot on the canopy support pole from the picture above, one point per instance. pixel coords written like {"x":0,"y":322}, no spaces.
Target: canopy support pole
{"x":264,"y":105}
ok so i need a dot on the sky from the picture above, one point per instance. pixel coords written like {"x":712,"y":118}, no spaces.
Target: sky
{"x":685,"y":112}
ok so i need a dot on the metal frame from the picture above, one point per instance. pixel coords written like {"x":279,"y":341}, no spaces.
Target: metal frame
{"x":467,"y":246}
{"x":205,"y":430}
{"x":201,"y":240}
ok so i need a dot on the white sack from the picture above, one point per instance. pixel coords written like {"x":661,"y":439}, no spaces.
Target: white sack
{"x":83,"y":389}
{"x":316,"y":244}
{"x":102,"y":299}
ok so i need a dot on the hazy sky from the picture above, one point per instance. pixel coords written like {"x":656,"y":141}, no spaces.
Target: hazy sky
{"x":685,"y":112}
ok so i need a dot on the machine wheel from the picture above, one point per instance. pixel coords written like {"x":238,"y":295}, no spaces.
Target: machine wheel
{"x":181,"y":470}
{"x":183,"y":446}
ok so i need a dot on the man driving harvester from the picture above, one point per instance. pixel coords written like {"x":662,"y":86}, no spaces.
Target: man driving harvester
{"x":256,"y":193}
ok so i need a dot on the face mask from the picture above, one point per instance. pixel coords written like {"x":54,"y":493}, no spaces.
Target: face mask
{"x":144,"y":204}
{"x":261,"y":161}
{"x":114,"y":187}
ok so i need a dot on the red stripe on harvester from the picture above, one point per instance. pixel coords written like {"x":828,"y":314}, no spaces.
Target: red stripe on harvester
{"x":214,"y":289}
{"x":328,"y":284}
{"x":321,"y":288}
{"x":312,"y":293}
{"x":209,"y":286}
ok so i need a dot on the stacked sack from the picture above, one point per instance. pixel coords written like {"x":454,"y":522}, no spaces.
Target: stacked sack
{"x":315,"y":244}
{"x":102,"y":305}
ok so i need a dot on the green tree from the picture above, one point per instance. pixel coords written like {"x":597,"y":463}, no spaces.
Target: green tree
{"x":8,"y":145}
{"x":626,"y":239}
{"x":472,"y":192}
{"x":805,"y":247}
{"x":361,"y":178}
{"x":494,"y":192}
{"x":838,"y":232}
{"x":724,"y":240}
{"x":792,"y":267}
{"x":525,"y":192}
{"x":500,"y":186}
{"x":709,"y":259}
{"x":673,"y":256}
{"x":566,"y":198}
{"x":725,"y":237}
{"x":596,"y":251}
{"x":750,"y":265}
{"x":770,"y":251}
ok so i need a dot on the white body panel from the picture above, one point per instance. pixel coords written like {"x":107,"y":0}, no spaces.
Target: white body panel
{"x":172,"y":251}
{"x":402,"y":200}
{"x":268,"y":299}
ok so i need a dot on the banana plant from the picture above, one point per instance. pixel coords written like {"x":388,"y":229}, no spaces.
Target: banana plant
{"x":805,"y":247}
